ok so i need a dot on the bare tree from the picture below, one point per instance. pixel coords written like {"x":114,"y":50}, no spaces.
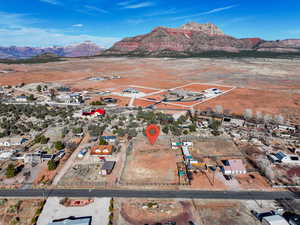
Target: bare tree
{"x":259,"y":115}
{"x":296,"y":179}
{"x":267,"y":118}
{"x":248,"y":113}
{"x":269,"y":173}
{"x":279,"y":119}
{"x":219,"y":109}
{"x":265,"y":167}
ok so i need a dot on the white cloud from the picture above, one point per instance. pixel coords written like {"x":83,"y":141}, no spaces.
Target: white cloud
{"x":95,"y":9}
{"x":162,"y":12}
{"x":77,"y":25}
{"x":137,"y":5}
{"x":36,"y":37}
{"x":205,"y":13}
{"x":18,"y":29}
{"x":124,"y":3}
{"x":52,"y":2}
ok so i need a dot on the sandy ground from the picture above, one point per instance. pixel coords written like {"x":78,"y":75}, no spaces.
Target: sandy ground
{"x":134,"y":211}
{"x":269,"y":86}
{"x":26,"y":211}
{"x":54,"y":210}
{"x":149,"y":164}
{"x":214,"y":212}
{"x":214,"y":147}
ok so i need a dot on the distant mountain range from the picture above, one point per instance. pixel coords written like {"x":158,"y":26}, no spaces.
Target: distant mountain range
{"x":83,"y":49}
{"x":193,"y":38}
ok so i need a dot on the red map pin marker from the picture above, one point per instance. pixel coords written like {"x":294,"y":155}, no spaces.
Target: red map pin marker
{"x":152,"y":133}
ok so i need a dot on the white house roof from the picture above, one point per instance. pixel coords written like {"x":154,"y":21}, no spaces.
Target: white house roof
{"x":276,"y":220}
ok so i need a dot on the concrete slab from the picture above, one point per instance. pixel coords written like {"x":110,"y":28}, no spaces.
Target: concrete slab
{"x":98,"y":210}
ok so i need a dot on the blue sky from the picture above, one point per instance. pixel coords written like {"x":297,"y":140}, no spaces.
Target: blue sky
{"x":62,"y":22}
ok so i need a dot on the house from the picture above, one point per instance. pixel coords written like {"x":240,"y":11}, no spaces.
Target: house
{"x":107,"y":167}
{"x":32,"y":158}
{"x":176,"y":145}
{"x":109,"y":100}
{"x":12,"y":142}
{"x":288,"y":159}
{"x":22,"y":98}
{"x":274,"y":220}
{"x":70,"y":98}
{"x":94,"y":113}
{"x":233,"y":167}
{"x":110,"y":139}
{"x":130,"y":90}
{"x":73,"y":221}
{"x":233,"y":121}
{"x":100,"y":152}
{"x":5,"y":155}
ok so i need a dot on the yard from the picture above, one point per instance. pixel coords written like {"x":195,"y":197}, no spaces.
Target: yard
{"x":148,"y":164}
{"x":216,"y":146}
{"x":152,"y":211}
{"x":22,"y":212}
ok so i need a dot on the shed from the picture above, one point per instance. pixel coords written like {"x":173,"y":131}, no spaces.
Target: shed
{"x":274,"y":220}
{"x":107,"y":167}
{"x":234,"y":167}
{"x":73,"y":221}
{"x":110,"y":139}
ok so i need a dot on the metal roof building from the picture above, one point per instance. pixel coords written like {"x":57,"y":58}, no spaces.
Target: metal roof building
{"x":274,"y":220}
{"x":73,"y":221}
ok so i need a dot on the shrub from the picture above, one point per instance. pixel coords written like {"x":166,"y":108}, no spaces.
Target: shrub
{"x":59,"y":145}
{"x":10,"y":171}
{"x":103,"y":142}
{"x":52,"y":165}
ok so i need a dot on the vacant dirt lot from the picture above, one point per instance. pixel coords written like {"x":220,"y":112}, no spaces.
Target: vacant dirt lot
{"x":152,"y":211}
{"x":148,"y":164}
{"x":271,"y":102}
{"x":20,"y":211}
{"x":218,"y":147}
{"x":214,"y":212}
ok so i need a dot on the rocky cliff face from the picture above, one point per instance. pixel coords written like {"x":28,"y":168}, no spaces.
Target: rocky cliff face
{"x":289,"y":45}
{"x":193,"y":38}
{"x":84,"y":49}
{"x":208,"y":28}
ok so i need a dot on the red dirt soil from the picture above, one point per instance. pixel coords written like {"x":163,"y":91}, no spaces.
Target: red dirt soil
{"x":259,"y":100}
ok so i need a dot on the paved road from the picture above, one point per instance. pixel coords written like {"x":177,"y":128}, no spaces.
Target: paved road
{"x":258,"y":195}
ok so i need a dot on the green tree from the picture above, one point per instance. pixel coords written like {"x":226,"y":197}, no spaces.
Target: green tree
{"x":59,"y":145}
{"x":31,"y":97}
{"x":166,"y":130}
{"x":215,"y":125}
{"x":77,"y":130}
{"x":39,"y":88}
{"x":10,"y":171}
{"x":52,"y":165}
{"x":44,"y":140}
{"x":192,"y":128}
{"x":102,"y":141}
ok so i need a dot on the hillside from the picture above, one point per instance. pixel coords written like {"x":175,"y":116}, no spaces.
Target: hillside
{"x":193,"y":39}
{"x":83,"y":49}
